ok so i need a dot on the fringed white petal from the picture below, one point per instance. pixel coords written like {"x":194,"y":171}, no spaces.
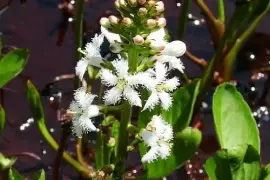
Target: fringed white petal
{"x":77,"y":129}
{"x":93,"y":111}
{"x":96,"y":61}
{"x":164,"y":150}
{"x":175,"y":48}
{"x":161,"y":71}
{"x":166,"y":100}
{"x":150,"y":138}
{"x":121,"y":67}
{"x":81,"y":68}
{"x":98,"y":40}
{"x":108,"y":78}
{"x":132,"y":96}
{"x":152,"y":101}
{"x":112,"y":96}
{"x":176,"y":63}
{"x":172,"y":83}
{"x":143,"y":79}
{"x":158,"y":35}
{"x":86,"y":124}
{"x":84,"y":99}
{"x":151,"y":155}
{"x":111,"y":37}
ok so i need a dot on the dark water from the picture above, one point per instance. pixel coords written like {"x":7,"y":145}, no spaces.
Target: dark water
{"x":35,"y":26}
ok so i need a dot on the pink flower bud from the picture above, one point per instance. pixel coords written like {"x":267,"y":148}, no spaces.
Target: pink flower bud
{"x":127,"y":22}
{"x":132,"y":3}
{"x":151,"y":23}
{"x":141,"y":2}
{"x":161,"y":22}
{"x":159,"y":7}
{"x":113,"y":20}
{"x":105,"y":22}
{"x":117,"y":4}
{"x":142,"y":12}
{"x":123,"y":3}
{"x":151,"y":3}
{"x":139,"y":40}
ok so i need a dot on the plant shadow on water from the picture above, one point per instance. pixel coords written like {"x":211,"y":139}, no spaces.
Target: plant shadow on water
{"x":47,"y":29}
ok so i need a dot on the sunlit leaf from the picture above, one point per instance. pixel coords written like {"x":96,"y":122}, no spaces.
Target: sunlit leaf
{"x":233,"y":119}
{"x":13,"y":174}
{"x":5,"y":162}
{"x":12,"y":64}
{"x":40,"y":175}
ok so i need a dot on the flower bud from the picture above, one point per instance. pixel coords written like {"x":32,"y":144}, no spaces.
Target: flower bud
{"x":105,"y":22}
{"x":142,"y":12}
{"x":141,"y":2}
{"x":116,"y":47}
{"x":111,"y":142}
{"x":132,"y":3}
{"x":127,"y":22}
{"x":151,"y":23}
{"x":157,"y":45}
{"x":123,"y":3}
{"x":175,"y":48}
{"x":139,"y":40}
{"x":161,"y":22}
{"x":151,"y":3}
{"x":117,"y":4}
{"x":159,"y":7}
{"x":113,"y":20}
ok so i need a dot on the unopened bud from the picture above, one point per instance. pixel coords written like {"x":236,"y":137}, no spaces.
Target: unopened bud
{"x":123,"y":3}
{"x":105,"y":22}
{"x":132,"y":3}
{"x":161,"y":22}
{"x":157,"y":45}
{"x":117,"y":4}
{"x":151,"y":23}
{"x":113,"y":20}
{"x":127,"y":22}
{"x":151,"y":3}
{"x":142,"y":12}
{"x":139,"y":40}
{"x":141,"y":2}
{"x":116,"y":47}
{"x":111,"y":142}
{"x":159,"y":7}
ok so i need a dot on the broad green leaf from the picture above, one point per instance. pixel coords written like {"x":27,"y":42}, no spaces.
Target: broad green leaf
{"x":185,"y":145}
{"x":13,"y":174}
{"x":238,"y":163}
{"x":6,"y":163}
{"x":2,"y":118}
{"x":12,"y":64}
{"x":180,"y":114}
{"x":234,"y":122}
{"x":40,"y":175}
{"x":265,"y":173}
{"x":35,"y":102}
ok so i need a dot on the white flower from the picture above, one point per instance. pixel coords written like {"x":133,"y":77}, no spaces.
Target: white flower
{"x":162,"y":87}
{"x":158,"y":136}
{"x":82,"y":111}
{"x":123,"y":83}
{"x":174,"y":62}
{"x":111,"y":37}
{"x":92,"y":55}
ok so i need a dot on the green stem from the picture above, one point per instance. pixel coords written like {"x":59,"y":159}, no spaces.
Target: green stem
{"x":183,"y":19}
{"x":132,"y":59}
{"x":231,"y":56}
{"x":80,"y":157}
{"x":79,"y":35}
{"x":221,"y":11}
{"x":47,"y":136}
{"x":121,"y":155}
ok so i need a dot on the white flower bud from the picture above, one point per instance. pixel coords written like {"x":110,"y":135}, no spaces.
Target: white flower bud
{"x":113,"y":20}
{"x":132,"y":3}
{"x":123,"y":3}
{"x":127,"y":22}
{"x":142,"y":12}
{"x":139,"y":40}
{"x":151,"y":3}
{"x":157,"y":45}
{"x":159,"y":7}
{"x":151,"y":23}
{"x":161,"y":22}
{"x":116,"y":47}
{"x":175,"y":48}
{"x":141,"y":2}
{"x":117,"y":4}
{"x":105,"y":22}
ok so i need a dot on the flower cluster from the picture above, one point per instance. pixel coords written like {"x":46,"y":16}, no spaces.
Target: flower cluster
{"x":141,"y":29}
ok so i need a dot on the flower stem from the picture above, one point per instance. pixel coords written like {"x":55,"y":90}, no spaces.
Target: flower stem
{"x":183,"y":19}
{"x":121,"y":155}
{"x":221,"y":11}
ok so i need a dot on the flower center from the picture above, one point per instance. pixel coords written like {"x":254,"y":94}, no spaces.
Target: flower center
{"x":162,"y":87}
{"x":121,"y":83}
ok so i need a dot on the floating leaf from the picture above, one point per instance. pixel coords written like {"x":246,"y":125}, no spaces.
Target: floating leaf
{"x":12,"y":64}
{"x":238,"y":163}
{"x":185,"y":145}
{"x":234,"y":122}
{"x":2,"y":118}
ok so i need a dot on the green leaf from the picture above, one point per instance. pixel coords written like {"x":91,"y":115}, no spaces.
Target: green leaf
{"x":6,"y":163}
{"x":1,"y":45}
{"x":234,"y":122}
{"x":180,"y":114}
{"x":265,"y":173}
{"x":238,"y":163}
{"x":40,"y":175}
{"x":185,"y":145}
{"x":35,"y":102}
{"x":2,"y":118}
{"x":12,"y":64}
{"x":13,"y":174}
{"x":99,"y":155}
